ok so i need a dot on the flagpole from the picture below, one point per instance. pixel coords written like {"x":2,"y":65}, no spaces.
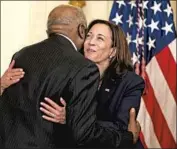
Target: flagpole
{"x":140,"y":66}
{"x":143,"y":62}
{"x":137,"y":64}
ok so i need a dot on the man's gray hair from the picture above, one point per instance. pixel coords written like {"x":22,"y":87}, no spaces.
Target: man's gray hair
{"x":79,"y":17}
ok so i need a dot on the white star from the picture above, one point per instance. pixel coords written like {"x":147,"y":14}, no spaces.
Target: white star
{"x":140,"y":41}
{"x":120,"y":3}
{"x":156,"y":7}
{"x":144,"y":23}
{"x":130,"y":21}
{"x":167,"y":28}
{"x":133,"y":4}
{"x":129,"y":38}
{"x":145,"y":3}
{"x":168,"y":10}
{"x":118,"y":19}
{"x":141,"y":23}
{"x":151,"y":43}
{"x":134,"y":58}
{"x":135,"y":41}
{"x":153,"y":25}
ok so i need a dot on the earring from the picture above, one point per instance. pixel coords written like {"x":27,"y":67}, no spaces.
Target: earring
{"x":110,"y":57}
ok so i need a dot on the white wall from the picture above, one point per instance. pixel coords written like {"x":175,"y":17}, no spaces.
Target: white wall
{"x":97,"y":9}
{"x":13,"y":29}
{"x":24,"y":22}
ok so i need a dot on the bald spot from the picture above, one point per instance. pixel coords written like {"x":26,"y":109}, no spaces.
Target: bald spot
{"x":65,"y":18}
{"x":63,"y":11}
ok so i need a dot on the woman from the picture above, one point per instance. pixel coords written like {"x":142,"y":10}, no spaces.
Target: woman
{"x":120,"y":88}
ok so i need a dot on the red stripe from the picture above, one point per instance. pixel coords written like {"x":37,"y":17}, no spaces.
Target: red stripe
{"x":161,"y":128}
{"x":168,"y":67}
{"x":142,"y":140}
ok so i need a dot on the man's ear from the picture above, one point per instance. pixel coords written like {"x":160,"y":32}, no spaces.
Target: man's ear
{"x":81,"y":31}
{"x":50,"y":33}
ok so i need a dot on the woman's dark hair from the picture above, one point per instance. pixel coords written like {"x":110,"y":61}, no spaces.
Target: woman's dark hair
{"x":122,"y":60}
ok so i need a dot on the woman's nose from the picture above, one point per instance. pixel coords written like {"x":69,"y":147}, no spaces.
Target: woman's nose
{"x":92,"y":41}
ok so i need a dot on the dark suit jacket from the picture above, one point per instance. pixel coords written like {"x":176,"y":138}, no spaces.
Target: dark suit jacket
{"x":117,"y":94}
{"x":53,"y":69}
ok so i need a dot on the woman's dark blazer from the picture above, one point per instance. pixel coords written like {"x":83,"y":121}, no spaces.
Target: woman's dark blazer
{"x":117,"y":95}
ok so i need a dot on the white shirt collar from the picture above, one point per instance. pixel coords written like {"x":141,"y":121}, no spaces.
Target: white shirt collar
{"x":70,"y":41}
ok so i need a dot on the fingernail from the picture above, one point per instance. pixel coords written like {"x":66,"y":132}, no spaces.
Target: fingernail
{"x":21,"y":69}
{"x":133,"y":110}
{"x":23,"y":72}
{"x":16,"y":80}
{"x":40,"y":108}
{"x":41,"y":103}
{"x":45,"y":98}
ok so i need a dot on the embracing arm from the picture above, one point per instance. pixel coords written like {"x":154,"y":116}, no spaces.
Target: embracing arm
{"x":57,"y":114}
{"x":131,"y":98}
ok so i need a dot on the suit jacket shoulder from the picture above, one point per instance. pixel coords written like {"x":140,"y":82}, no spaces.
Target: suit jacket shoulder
{"x":133,"y":79}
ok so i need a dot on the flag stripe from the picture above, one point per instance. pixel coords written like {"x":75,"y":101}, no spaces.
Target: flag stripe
{"x":172,"y":47}
{"x":168,"y":68}
{"x":161,"y":128}
{"x":162,"y":94}
{"x":142,"y":140}
{"x":147,"y":128}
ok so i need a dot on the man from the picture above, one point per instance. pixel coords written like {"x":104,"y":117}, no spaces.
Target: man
{"x":54,"y":68}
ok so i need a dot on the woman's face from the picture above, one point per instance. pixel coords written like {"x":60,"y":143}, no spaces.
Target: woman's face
{"x":97,"y":46}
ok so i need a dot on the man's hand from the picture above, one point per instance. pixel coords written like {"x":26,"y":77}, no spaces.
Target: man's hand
{"x":134,"y":125}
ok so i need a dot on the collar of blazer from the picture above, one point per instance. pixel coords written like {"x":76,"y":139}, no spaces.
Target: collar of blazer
{"x":69,"y":40}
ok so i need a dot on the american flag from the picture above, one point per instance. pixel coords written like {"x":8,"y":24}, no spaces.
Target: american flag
{"x":151,"y":36}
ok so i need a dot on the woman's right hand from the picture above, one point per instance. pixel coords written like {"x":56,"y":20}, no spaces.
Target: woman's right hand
{"x":11,"y":76}
{"x":53,"y":112}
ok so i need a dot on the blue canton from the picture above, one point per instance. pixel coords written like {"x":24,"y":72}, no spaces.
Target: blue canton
{"x":148,"y":26}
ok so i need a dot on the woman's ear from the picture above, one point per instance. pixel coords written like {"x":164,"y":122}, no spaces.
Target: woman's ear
{"x":113,"y":53}
{"x":81,"y":31}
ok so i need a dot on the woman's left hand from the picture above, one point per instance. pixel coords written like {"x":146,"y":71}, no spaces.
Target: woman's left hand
{"x":53,"y":111}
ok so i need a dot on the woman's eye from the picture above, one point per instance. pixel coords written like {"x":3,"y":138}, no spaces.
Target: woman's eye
{"x":100,"y":38}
